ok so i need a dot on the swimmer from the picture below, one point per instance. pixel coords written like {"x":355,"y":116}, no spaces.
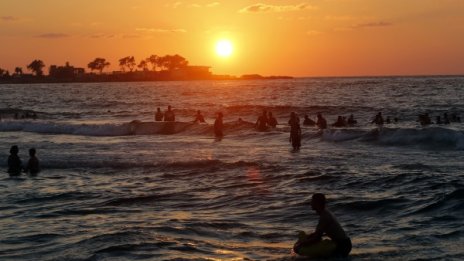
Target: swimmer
{"x":321,"y":122}
{"x":199,"y":118}
{"x":271,"y":120}
{"x":33,"y":166}
{"x":378,"y":119}
{"x":159,"y":115}
{"x":169,"y":115}
{"x":351,"y":121}
{"x":340,"y":122}
{"x":308,"y":122}
{"x":15,"y":166}
{"x":261,"y":123}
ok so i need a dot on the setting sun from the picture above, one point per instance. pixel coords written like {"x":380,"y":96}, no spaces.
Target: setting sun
{"x":224,"y":48}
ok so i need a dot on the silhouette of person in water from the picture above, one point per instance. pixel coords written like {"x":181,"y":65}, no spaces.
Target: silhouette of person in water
{"x":15,"y":166}
{"x":295,"y":131}
{"x":438,"y":120}
{"x":169,"y":115}
{"x":388,"y":120}
{"x":271,"y":120}
{"x":424,"y":119}
{"x":261,"y":123}
{"x":307,"y":121}
{"x":340,"y":122}
{"x":351,"y":121}
{"x":199,"y":118}
{"x":327,"y":225}
{"x":159,"y":115}
{"x":445,"y":118}
{"x":378,"y":119}
{"x":33,"y":166}
{"x":321,"y":122}
{"x":218,"y":126}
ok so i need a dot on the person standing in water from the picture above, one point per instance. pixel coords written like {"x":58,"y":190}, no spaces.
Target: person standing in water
{"x":327,"y":225}
{"x":33,"y":166}
{"x":321,"y":122}
{"x":271,"y":120}
{"x":218,"y":126}
{"x":15,"y":165}
{"x":261,"y":123}
{"x":295,"y":131}
{"x":159,"y":115}
{"x":169,"y":115}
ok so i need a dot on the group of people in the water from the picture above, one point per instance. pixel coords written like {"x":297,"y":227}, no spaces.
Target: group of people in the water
{"x":25,"y":115}
{"x":424,"y":119}
{"x":267,"y":121}
{"x":15,"y":165}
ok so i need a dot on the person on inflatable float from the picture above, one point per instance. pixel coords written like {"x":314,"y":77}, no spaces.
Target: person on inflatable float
{"x":313,"y":245}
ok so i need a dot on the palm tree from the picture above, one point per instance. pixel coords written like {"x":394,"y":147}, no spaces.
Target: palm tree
{"x":36,"y":66}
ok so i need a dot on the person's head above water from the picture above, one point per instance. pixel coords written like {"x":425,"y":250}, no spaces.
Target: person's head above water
{"x":318,"y":201}
{"x":32,"y":152}
{"x":219,"y":114}
{"x":14,"y":149}
{"x":158,"y":109}
{"x":198,"y":112}
{"x":169,"y":107}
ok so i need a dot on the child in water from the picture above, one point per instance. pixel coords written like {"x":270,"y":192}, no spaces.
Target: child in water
{"x":14,"y":162}
{"x":33,"y":163}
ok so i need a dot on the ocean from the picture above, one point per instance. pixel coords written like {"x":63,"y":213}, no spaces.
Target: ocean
{"x":112,"y":191}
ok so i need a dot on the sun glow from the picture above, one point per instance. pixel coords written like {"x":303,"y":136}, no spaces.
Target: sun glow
{"x":224,"y":48}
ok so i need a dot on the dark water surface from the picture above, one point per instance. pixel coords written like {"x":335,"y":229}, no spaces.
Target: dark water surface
{"x":107,"y":194}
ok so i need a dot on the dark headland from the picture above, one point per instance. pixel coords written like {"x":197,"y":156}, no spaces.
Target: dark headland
{"x":153,"y":68}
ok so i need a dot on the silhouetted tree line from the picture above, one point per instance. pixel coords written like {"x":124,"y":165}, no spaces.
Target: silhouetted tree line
{"x":153,"y":63}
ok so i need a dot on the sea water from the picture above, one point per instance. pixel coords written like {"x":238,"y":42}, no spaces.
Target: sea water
{"x":109,"y":193}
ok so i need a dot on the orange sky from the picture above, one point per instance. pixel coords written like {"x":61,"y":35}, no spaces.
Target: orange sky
{"x":298,"y":38}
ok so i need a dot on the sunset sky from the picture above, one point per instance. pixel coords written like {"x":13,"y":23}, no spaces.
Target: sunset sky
{"x":280,"y":37}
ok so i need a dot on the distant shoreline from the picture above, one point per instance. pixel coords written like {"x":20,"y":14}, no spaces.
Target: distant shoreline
{"x":130,"y":77}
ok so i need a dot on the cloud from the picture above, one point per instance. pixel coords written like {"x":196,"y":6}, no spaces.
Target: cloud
{"x":312,"y":33}
{"x":364,"y":25}
{"x":372,"y":24}
{"x":174,"y":5}
{"x":52,"y":35}
{"x":261,"y":8}
{"x":159,"y":30}
{"x":214,"y":4}
{"x":8,"y":18}
{"x":210,"y":5}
